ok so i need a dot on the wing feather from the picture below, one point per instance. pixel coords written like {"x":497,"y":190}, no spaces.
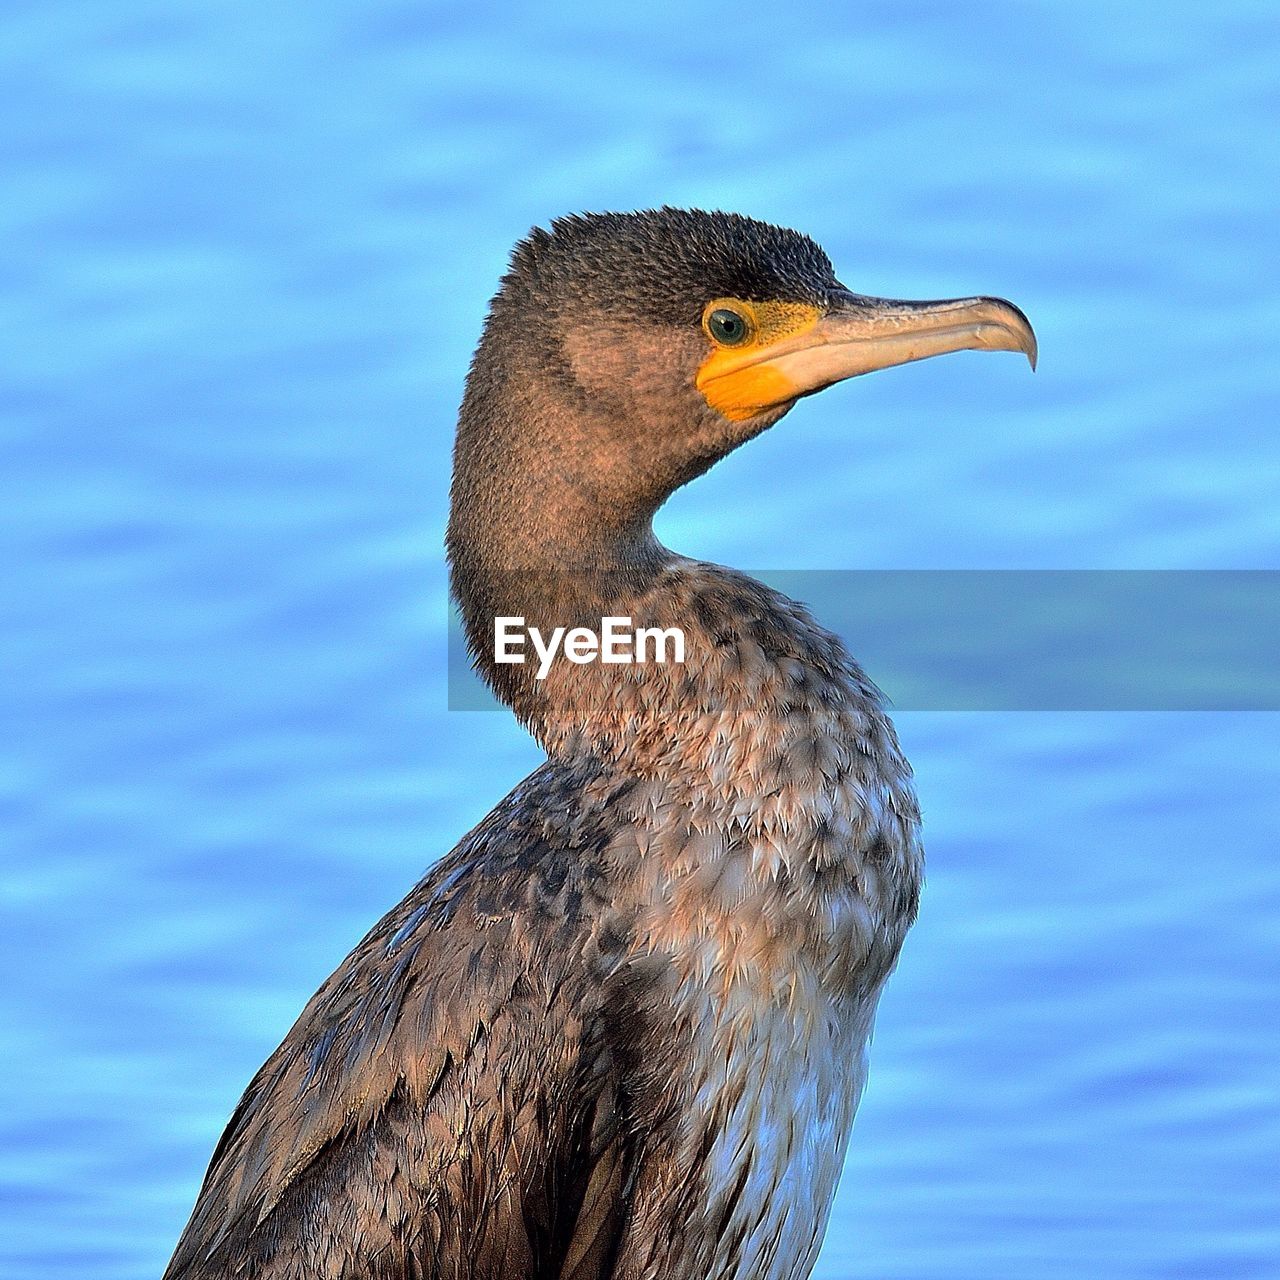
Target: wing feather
{"x":447,"y":1104}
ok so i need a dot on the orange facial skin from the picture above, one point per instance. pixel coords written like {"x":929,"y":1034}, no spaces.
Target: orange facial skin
{"x":738,"y":380}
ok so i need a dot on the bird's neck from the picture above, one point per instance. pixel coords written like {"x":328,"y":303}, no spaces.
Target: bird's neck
{"x":544,"y":530}
{"x":542,"y":587}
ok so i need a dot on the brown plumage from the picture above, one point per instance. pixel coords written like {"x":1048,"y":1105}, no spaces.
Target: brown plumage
{"x":620,"y":1030}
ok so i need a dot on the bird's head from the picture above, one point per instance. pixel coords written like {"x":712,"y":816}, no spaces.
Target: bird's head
{"x":626,"y":353}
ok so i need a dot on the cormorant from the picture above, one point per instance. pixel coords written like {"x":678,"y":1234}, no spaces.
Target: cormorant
{"x":620,"y":1030}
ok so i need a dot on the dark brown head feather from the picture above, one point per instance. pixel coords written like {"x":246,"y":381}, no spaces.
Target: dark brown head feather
{"x":664,"y":265}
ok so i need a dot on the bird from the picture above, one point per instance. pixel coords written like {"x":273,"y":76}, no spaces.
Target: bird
{"x":620,"y":1031}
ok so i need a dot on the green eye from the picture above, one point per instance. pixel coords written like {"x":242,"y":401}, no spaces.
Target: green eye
{"x":728,"y":327}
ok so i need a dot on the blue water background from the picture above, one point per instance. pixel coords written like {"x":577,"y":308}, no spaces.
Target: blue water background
{"x":244,"y":255}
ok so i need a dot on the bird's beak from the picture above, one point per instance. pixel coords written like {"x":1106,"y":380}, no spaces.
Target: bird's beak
{"x":856,"y":335}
